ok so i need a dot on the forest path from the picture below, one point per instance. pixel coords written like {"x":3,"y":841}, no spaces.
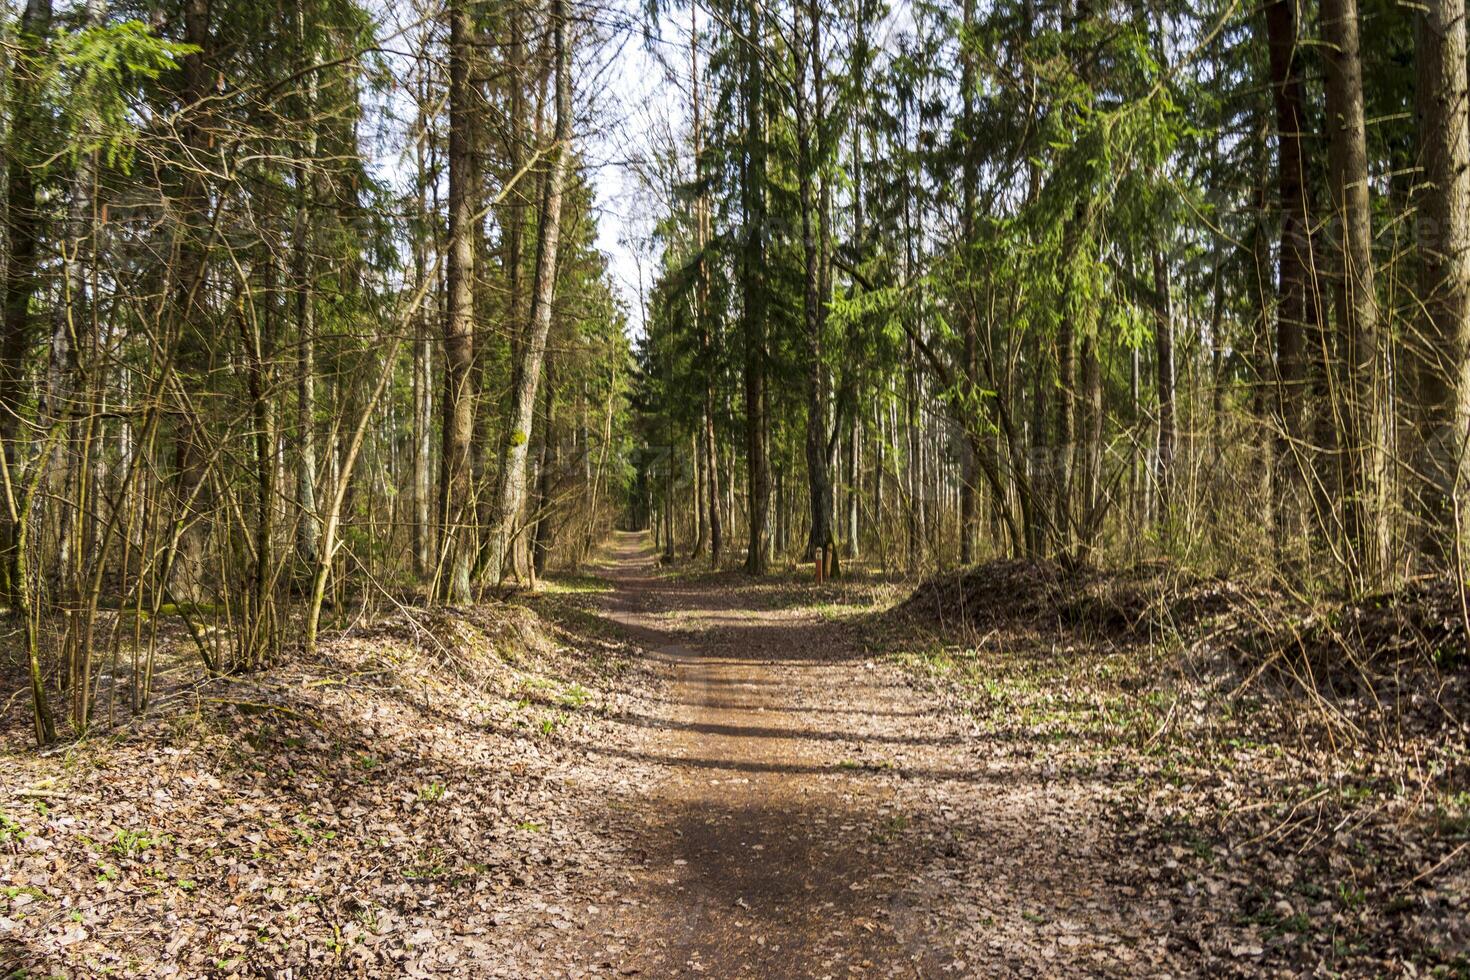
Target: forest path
{"x":813,"y":816}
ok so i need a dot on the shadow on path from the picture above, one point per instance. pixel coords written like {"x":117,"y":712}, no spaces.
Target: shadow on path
{"x":815,"y":818}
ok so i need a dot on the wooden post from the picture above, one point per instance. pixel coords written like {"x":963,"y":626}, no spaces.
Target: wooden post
{"x":821,"y":565}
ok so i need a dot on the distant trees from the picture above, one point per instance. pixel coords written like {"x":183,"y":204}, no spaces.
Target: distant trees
{"x":221,"y":297}
{"x":1066,"y":279}
{"x":1007,"y":277}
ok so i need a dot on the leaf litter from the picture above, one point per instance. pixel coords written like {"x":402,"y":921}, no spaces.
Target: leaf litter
{"x":408,"y":804}
{"x":701,"y":774}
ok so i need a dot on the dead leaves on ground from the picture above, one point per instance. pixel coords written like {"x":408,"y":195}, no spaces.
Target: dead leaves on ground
{"x":410,"y":805}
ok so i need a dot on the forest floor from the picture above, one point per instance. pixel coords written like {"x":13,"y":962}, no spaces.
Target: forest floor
{"x":653,"y":773}
{"x":815,"y":816}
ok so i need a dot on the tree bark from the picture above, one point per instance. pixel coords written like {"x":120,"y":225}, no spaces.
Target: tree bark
{"x":456,"y":492}
{"x":1364,"y":417}
{"x":697,"y":498}
{"x":1165,"y":381}
{"x":423,"y":389}
{"x":753,"y":287}
{"x":819,"y":488}
{"x":854,"y":485}
{"x":1298,"y":310}
{"x":309,"y":521}
{"x":511,"y":482}
{"x":71,"y":338}
{"x":22,"y":234}
{"x":1439,"y":357}
{"x":546,"y":481}
{"x":1090,"y":446}
{"x":257,"y":640}
{"x":1064,"y":417}
{"x":969,"y":404}
{"x":702,"y":313}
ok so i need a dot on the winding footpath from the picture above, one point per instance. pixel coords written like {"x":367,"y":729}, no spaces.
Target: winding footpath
{"x":809,"y":813}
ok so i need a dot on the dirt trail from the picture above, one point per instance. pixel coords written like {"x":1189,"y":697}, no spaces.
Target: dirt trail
{"x":686,"y":776}
{"x":814,"y":817}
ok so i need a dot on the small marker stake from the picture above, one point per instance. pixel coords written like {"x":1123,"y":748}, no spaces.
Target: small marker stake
{"x":821,"y":565}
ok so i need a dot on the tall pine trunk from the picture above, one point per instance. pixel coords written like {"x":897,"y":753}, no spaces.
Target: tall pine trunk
{"x":22,"y":234}
{"x":819,"y":477}
{"x":1440,"y":355}
{"x":1297,"y":308}
{"x":752,"y":284}
{"x":1363,"y":421}
{"x":970,"y":404}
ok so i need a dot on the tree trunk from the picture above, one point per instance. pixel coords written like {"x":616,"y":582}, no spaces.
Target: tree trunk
{"x":423,"y":408}
{"x":1440,"y":355}
{"x":753,"y":288}
{"x":1298,"y":310}
{"x":712,"y":472}
{"x":913,"y":506}
{"x":819,"y":490}
{"x":512,"y":218}
{"x":544,"y":508}
{"x":22,"y":234}
{"x":711,"y":461}
{"x":880,"y":467}
{"x":1164,"y":375}
{"x":1364,"y":419}
{"x":1064,"y":417}
{"x":697,"y":497}
{"x":258,"y":627}
{"x":309,"y":522}
{"x":511,"y":483}
{"x":455,"y":486}
{"x":854,"y":485}
{"x":969,"y":404}
{"x":193,"y":492}
{"x":1090,"y":447}
{"x":670,"y":498}
{"x":70,"y":334}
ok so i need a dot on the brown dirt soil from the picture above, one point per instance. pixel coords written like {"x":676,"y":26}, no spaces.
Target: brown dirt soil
{"x":815,"y":816}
